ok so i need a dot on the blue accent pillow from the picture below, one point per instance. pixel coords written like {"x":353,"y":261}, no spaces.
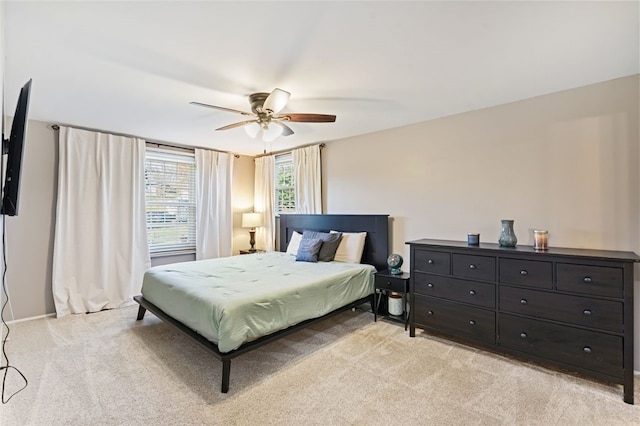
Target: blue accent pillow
{"x":330,"y":243}
{"x":308,"y":250}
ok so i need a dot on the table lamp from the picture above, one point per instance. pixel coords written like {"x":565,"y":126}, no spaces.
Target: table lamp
{"x":252,"y":220}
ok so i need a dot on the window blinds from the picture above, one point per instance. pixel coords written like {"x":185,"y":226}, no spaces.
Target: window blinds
{"x":170,"y":201}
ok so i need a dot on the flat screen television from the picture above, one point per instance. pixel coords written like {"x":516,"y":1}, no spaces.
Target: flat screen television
{"x":13,"y":148}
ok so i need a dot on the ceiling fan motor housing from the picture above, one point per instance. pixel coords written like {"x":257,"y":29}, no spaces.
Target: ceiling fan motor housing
{"x":257,"y":101}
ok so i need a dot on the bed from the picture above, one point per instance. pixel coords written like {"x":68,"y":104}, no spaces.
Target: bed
{"x":234,"y":309}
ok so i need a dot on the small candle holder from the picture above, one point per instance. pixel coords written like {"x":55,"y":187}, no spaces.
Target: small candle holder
{"x":540,"y":240}
{"x":473,"y":239}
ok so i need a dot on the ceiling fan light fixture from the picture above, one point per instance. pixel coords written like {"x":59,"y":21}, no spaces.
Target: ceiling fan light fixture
{"x":276,"y":101}
{"x":271,"y":132}
{"x":252,"y":129}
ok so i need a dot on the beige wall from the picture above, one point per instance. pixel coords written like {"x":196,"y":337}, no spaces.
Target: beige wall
{"x":3,"y":117}
{"x":30,"y":234}
{"x":243,"y":182}
{"x":2,"y":60}
{"x":567,"y":162}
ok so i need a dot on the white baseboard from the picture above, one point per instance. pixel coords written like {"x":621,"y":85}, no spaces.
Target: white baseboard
{"x":30,"y":318}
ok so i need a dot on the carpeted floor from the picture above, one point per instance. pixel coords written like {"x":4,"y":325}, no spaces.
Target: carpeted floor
{"x":109,"y":369}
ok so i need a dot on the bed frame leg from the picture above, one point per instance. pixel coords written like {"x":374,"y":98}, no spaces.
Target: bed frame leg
{"x":141,"y":312}
{"x":226,"y":371}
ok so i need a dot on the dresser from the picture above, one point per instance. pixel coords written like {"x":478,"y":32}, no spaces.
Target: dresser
{"x":565,"y":308}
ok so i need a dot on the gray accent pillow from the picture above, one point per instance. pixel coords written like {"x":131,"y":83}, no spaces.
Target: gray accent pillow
{"x":330,"y":243}
{"x":308,"y":250}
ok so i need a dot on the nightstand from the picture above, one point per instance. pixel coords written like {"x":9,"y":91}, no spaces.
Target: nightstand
{"x":385,"y":283}
{"x":249,"y":252}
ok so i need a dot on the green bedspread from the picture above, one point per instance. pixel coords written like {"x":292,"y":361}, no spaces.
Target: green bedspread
{"x":237,"y":299}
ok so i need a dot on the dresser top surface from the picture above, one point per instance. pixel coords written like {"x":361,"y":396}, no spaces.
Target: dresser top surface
{"x":627,"y":256}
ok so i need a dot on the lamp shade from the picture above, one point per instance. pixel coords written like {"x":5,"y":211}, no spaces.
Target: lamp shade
{"x":251,"y":220}
{"x":252,"y":129}
{"x":276,"y":101}
{"x":271,"y":132}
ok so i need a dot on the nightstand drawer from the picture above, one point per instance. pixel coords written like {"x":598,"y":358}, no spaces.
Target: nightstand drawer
{"x":592,"y":280}
{"x":526,"y":272}
{"x":590,"y":350}
{"x":473,"y":292}
{"x":435,"y":262}
{"x":385,"y":282}
{"x":459,"y":319}
{"x":594,"y":313}
{"x":474,"y":267}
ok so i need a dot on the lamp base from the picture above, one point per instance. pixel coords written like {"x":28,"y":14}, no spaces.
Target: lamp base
{"x":252,"y":240}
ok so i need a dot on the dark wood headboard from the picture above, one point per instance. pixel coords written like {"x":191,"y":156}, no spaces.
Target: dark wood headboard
{"x":376,"y":247}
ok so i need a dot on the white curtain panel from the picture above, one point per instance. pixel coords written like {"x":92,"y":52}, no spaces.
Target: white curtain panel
{"x":214,"y":216}
{"x":263,"y":202}
{"x":308,"y":178}
{"x":100,"y":246}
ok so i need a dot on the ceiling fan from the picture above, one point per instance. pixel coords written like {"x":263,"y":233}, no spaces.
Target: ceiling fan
{"x":266,"y":117}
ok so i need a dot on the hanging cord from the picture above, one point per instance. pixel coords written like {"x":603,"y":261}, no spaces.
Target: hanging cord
{"x":6,"y":365}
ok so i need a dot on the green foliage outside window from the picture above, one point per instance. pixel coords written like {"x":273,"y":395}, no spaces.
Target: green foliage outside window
{"x":285,"y":185}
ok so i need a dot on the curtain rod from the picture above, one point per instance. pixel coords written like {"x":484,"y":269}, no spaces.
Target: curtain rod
{"x":56,"y":127}
{"x":322,"y":145}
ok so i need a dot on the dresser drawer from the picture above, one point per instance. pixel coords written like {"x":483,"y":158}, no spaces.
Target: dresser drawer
{"x":454,"y":318}
{"x":390,"y":283}
{"x":601,"y":314}
{"x":436,"y":262}
{"x":595,"y":280}
{"x":475,"y":293}
{"x":530,"y":273}
{"x":598,"y":352}
{"x":474,"y":267}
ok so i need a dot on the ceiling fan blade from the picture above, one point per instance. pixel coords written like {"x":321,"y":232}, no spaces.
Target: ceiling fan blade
{"x":286,"y":130}
{"x":234,"y":125}
{"x":309,"y":118}
{"x":221,"y":108}
{"x":276,"y":101}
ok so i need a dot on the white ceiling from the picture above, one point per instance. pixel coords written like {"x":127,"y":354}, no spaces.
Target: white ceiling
{"x":133,"y":67}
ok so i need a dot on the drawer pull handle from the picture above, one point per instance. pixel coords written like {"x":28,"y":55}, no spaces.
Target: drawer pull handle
{"x":430,"y":285}
{"x":587,"y":312}
{"x":472,"y":322}
{"x":587,"y":280}
{"x":430,"y":312}
{"x":587,"y":349}
{"x":472,"y":266}
{"x":388,"y":283}
{"x":523,"y":301}
{"x":430,"y":261}
{"x":523,"y":335}
{"x":523,"y":272}
{"x":472,"y":292}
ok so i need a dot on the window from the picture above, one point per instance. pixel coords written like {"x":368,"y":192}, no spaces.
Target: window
{"x":170,"y":192}
{"x":285,"y":201}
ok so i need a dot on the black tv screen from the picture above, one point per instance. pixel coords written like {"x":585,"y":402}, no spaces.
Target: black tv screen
{"x":14,"y":147}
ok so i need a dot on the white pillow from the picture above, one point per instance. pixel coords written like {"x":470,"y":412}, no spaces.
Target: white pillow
{"x":294,"y":243}
{"x":351,"y":247}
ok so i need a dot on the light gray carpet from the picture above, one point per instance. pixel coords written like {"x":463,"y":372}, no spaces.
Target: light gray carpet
{"x":108,"y":369}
